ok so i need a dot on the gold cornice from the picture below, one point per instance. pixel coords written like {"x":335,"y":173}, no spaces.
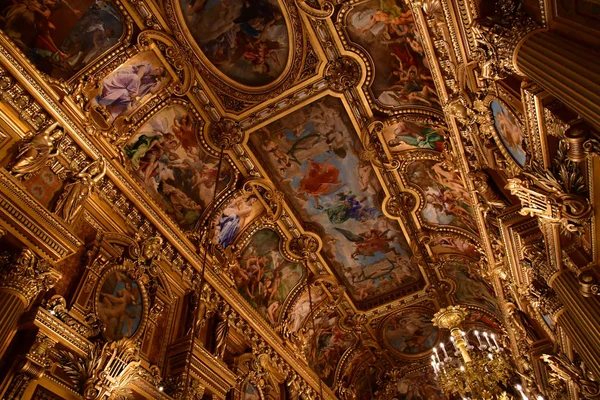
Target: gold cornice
{"x":21,"y":215}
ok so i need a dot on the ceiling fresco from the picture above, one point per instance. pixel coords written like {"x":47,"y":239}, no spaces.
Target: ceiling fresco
{"x":247,"y":41}
{"x":385,"y":30}
{"x":339,"y":178}
{"x":313,"y":155}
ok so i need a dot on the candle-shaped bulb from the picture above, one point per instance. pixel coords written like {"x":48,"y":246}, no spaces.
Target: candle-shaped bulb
{"x":490,"y":356}
{"x":444,"y":350}
{"x":519,"y":387}
{"x":436,"y":354}
{"x":462,"y":367}
{"x":495,"y":342}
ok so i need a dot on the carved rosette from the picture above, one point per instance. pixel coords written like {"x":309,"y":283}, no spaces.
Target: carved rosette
{"x":342,"y":74}
{"x":226,"y":133}
{"x":28,"y":276}
{"x":304,"y":246}
{"x":403,"y":201}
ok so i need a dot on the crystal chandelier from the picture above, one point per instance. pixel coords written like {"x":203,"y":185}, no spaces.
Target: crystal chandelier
{"x":474,"y":371}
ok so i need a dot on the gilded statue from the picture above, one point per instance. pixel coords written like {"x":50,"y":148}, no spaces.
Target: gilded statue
{"x":76,"y":193}
{"x":221,"y":337}
{"x":34,"y":153}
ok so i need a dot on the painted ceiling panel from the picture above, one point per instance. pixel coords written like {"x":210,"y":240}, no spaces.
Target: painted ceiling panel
{"x":313,"y":155}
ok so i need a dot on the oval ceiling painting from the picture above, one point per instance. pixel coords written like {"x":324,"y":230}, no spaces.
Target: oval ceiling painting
{"x":246,"y":40}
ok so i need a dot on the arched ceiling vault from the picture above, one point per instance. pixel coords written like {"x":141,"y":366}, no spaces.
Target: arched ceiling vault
{"x":340,"y":167}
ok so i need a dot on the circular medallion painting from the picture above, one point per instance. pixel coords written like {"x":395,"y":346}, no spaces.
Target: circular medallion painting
{"x":119,"y":305}
{"x":246,"y":40}
{"x":510,"y":132}
{"x":411,"y":333}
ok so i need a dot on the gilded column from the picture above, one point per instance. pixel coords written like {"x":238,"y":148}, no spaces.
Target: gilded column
{"x":567,"y":70}
{"x":20,"y":284}
{"x":580,"y":319}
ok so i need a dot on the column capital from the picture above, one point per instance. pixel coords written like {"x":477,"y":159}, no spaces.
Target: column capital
{"x":28,"y":276}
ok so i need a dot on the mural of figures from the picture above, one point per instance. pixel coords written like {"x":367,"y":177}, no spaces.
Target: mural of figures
{"x":235,"y":217}
{"x":170,"y":164}
{"x":264,"y":278}
{"x":452,"y":245}
{"x":331,"y":343}
{"x":386,"y":28}
{"x":419,"y":385}
{"x":313,"y":154}
{"x":510,"y":132}
{"x":406,"y":135}
{"x":411,"y":333}
{"x":246,"y":40}
{"x":128,"y":87}
{"x":62,"y":36}
{"x":471,"y":288}
{"x":250,"y":392}
{"x":119,"y":306}
{"x":446,"y":200}
{"x":301,"y":308}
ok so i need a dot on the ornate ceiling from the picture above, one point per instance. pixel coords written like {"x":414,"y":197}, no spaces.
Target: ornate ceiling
{"x":338,"y":172}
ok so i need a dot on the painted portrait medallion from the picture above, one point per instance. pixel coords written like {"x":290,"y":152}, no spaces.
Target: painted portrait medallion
{"x":446,"y":200}
{"x":62,"y":37}
{"x":131,"y":85}
{"x":313,"y":154}
{"x":250,"y":392}
{"x":245,"y":40}
{"x":407,"y":135}
{"x":119,"y":305}
{"x":331,"y":344}
{"x":471,"y":288}
{"x":264,"y":278}
{"x":386,"y":30}
{"x":410,"y":333}
{"x":235,"y":217}
{"x":510,"y":132}
{"x":169,"y":163}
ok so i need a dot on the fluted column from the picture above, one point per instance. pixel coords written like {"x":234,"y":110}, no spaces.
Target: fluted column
{"x":580,"y":319}
{"x":567,"y":70}
{"x":20,"y":284}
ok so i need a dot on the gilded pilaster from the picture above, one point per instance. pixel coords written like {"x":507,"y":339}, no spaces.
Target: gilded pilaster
{"x":580,"y":318}
{"x":565,"y":69}
{"x":20,"y":284}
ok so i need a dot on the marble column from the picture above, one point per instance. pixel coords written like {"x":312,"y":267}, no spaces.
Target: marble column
{"x":566,"y":69}
{"x":20,"y":284}
{"x":580,"y":318}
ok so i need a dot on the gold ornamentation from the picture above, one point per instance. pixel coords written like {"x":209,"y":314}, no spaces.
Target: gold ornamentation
{"x":28,"y":276}
{"x":226,"y":133}
{"x":35,"y":153}
{"x":305,"y":246}
{"x":325,"y":12}
{"x":106,"y":369}
{"x":72,"y":201}
{"x":342,"y":74}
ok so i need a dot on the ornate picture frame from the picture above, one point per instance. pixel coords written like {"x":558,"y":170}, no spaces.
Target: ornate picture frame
{"x":121,"y":303}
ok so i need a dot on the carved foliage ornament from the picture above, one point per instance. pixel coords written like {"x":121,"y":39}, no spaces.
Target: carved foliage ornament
{"x":342,"y":74}
{"x":27,"y":275}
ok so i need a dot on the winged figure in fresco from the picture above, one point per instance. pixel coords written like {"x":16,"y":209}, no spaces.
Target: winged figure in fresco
{"x":366,"y":244}
{"x":321,"y":179}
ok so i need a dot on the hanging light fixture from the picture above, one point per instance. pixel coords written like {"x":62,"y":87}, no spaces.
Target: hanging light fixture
{"x":315,"y":339}
{"x":205,"y":230}
{"x":472,"y":370}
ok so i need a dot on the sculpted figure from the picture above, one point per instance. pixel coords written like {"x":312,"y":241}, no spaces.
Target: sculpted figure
{"x":34,"y":153}
{"x":76,"y":193}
